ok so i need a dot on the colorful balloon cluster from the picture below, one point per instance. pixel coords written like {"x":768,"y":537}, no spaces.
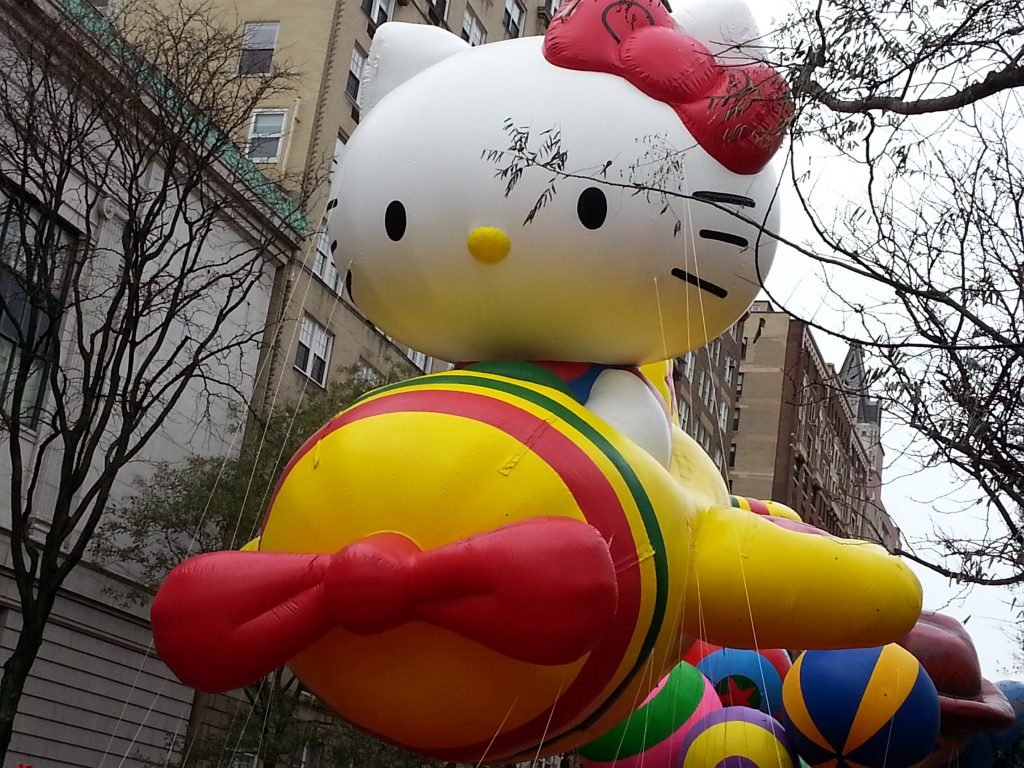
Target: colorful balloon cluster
{"x":873,"y":708}
{"x":854,"y":708}
{"x":868,"y":707}
{"x":742,"y":677}
{"x":684,"y":723}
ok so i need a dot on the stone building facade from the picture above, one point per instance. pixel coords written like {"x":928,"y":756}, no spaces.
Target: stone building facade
{"x":807,"y":435}
{"x":706,"y":381}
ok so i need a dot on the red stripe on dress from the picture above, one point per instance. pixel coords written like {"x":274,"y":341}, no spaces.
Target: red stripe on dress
{"x":758,"y":507}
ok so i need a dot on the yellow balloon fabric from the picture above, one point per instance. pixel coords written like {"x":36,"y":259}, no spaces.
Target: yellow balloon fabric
{"x":443,"y":457}
{"x":753,"y":577}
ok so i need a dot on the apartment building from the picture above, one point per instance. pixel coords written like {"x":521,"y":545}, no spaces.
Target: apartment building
{"x":706,"y":381}
{"x":301,"y":139}
{"x":807,"y":435}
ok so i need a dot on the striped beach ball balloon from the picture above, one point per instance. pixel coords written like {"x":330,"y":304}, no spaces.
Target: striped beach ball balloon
{"x":652,"y":736}
{"x":738,"y":737}
{"x":861,"y":708}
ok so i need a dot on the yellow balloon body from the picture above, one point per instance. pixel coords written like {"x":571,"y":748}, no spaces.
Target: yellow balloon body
{"x":443,"y":457}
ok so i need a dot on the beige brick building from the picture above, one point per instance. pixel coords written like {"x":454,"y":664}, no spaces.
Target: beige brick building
{"x":706,"y":390}
{"x":805,"y":435}
{"x":301,"y":138}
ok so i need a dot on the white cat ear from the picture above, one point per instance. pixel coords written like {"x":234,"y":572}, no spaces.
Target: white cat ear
{"x":726,"y":27}
{"x":400,"y":51}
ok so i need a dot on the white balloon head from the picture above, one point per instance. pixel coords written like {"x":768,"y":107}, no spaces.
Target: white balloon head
{"x":635,"y":254}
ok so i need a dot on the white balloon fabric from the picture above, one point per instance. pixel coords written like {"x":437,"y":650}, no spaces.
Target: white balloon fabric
{"x":601,"y":273}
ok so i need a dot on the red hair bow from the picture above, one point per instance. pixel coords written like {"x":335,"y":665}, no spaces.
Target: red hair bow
{"x":738,"y":114}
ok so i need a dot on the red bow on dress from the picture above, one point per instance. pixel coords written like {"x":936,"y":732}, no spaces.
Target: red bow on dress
{"x":542,"y":590}
{"x":738,"y":114}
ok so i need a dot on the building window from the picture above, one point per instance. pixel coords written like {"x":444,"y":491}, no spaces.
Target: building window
{"x":730,"y":368}
{"x":473,"y":31}
{"x":420,"y":359}
{"x":706,"y":390}
{"x":266,"y":135}
{"x":684,"y":415}
{"x":24,"y":316}
{"x":735,"y":419}
{"x":739,"y":383}
{"x":332,"y":178}
{"x":438,"y":10}
{"x":688,"y":366}
{"x":723,"y":413}
{"x":314,"y":351}
{"x":323,"y":262}
{"x":513,"y":17}
{"x":379,"y":11}
{"x":355,"y":72}
{"x":743,"y":348}
{"x":732,"y":455}
{"x":258,"y":42}
{"x":549,"y":8}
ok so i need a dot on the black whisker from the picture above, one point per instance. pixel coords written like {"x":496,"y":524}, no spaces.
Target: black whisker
{"x":725,"y":237}
{"x":725,"y":197}
{"x":704,"y":285}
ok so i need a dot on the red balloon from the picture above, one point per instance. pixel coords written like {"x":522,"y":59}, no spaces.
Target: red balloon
{"x":495,"y":588}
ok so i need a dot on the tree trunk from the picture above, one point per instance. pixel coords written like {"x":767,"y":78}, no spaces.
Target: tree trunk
{"x":18,"y":666}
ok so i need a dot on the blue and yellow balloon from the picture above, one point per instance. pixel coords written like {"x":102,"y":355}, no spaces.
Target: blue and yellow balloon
{"x":861,"y":708}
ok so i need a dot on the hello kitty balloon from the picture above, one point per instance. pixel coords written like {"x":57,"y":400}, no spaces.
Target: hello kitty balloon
{"x":498,"y":562}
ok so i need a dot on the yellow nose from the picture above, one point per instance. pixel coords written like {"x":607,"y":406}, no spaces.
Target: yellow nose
{"x":488,"y":244}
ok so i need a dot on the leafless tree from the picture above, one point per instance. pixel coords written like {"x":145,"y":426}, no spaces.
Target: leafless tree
{"x":121,"y":287}
{"x":919,"y":101}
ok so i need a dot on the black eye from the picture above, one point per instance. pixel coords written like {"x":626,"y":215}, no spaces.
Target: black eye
{"x":592,"y":208}
{"x":394,"y":220}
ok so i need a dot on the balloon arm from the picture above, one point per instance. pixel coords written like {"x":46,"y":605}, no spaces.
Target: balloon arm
{"x":836,"y":593}
{"x":631,"y":405}
{"x":542,"y":591}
